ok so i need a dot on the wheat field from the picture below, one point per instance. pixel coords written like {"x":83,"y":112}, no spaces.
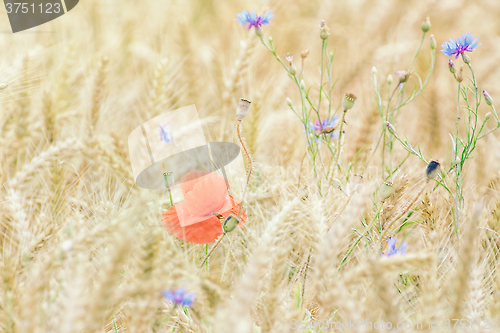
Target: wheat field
{"x":82,"y":247}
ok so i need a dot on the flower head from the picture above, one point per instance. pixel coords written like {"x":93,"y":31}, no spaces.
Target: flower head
{"x":165,"y":134}
{"x":457,"y":46}
{"x":193,"y":220}
{"x":326,"y":126}
{"x":325,"y":31}
{"x":391,"y":241}
{"x":179,"y":297}
{"x":289,"y":58}
{"x":403,"y":76}
{"x":253,"y":20}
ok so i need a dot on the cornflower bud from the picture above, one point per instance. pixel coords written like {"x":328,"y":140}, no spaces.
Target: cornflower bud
{"x":374,"y":70}
{"x":324,"y":30}
{"x":243,"y":108}
{"x":460,"y":75}
{"x":348,"y":101}
{"x":426,"y":25}
{"x":452,"y":67}
{"x":466,"y":58}
{"x":487,"y":98}
{"x":391,"y":128}
{"x":487,"y":116}
{"x":289,"y":102}
{"x":271,"y":43}
{"x":304,"y":53}
{"x":432,"y":169}
{"x":302,"y":85}
{"x":432,"y":42}
{"x":389,"y":79}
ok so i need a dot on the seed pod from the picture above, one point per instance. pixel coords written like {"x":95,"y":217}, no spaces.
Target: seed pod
{"x":426,"y":25}
{"x":348,"y":101}
{"x":243,"y":108}
{"x":230,"y":223}
{"x":386,"y":191}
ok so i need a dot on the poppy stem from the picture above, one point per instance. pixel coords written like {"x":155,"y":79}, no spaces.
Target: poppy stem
{"x":212,"y":250}
{"x":250,"y":166}
{"x":166,"y":177}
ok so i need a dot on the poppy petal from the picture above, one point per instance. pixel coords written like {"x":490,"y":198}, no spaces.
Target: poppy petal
{"x":204,"y":232}
{"x":208,"y":196}
{"x":190,"y":179}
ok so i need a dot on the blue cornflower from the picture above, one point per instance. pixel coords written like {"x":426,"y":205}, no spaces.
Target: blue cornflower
{"x":393,"y":249}
{"x":457,"y":46}
{"x":253,"y":20}
{"x":179,"y":297}
{"x":327,"y":126}
{"x":165,"y":134}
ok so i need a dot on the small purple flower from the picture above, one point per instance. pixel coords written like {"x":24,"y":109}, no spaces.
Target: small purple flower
{"x":457,"y":46}
{"x":289,"y":58}
{"x":165,"y":134}
{"x":327,"y":126}
{"x":253,"y":20}
{"x":179,"y":297}
{"x":393,"y":249}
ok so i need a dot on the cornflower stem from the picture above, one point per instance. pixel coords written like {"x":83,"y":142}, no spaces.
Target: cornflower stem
{"x":167,"y":318}
{"x":312,"y":150}
{"x":404,"y":211}
{"x":213,"y":248}
{"x":305,"y":272}
{"x":323,"y":47}
{"x":367,"y":229}
{"x":418,"y":154}
{"x":227,"y":259}
{"x":250,"y":166}
{"x":166,"y":176}
{"x":418,"y":51}
{"x":457,"y":166}
{"x":341,"y":211}
{"x":392,"y":116}
{"x":341,"y":132}
{"x":302,"y":68}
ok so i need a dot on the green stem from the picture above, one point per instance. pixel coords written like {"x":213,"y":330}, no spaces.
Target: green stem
{"x":339,"y":147}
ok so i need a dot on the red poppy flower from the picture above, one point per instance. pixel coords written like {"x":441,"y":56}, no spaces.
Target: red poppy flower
{"x":192,"y":220}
